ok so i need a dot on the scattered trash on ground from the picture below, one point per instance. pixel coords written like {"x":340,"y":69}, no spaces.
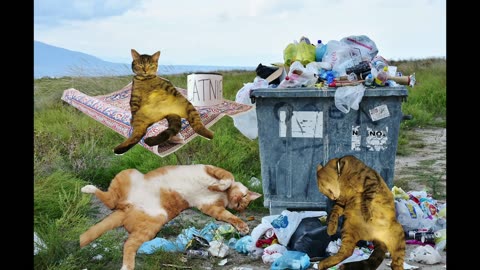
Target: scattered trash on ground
{"x":425,"y":254}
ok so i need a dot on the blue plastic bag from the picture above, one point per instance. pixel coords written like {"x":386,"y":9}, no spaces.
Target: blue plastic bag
{"x":291,"y":259}
{"x":242,"y":244}
{"x":158,"y":243}
{"x":180,"y":242}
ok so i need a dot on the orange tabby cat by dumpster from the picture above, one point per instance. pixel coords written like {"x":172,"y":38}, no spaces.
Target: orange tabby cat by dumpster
{"x":364,"y":199}
{"x":153,"y":99}
{"x":143,"y":203}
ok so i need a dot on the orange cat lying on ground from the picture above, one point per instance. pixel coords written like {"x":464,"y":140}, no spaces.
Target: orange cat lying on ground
{"x":143,"y":203}
{"x":363,"y":197}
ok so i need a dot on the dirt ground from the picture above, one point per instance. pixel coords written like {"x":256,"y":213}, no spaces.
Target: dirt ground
{"x":434,"y":151}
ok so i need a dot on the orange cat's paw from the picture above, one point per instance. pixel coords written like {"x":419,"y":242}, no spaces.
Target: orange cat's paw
{"x":243,"y":228}
{"x":224,"y":184}
{"x":89,"y":189}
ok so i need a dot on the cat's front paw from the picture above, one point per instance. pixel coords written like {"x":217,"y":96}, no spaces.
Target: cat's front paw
{"x":89,"y":189}
{"x":332,"y":227}
{"x":224,"y":184}
{"x":242,"y":228}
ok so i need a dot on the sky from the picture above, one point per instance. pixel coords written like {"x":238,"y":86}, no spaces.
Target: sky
{"x":237,"y":33}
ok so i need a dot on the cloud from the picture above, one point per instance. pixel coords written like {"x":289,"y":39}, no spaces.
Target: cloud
{"x":56,"y":12}
{"x":218,"y":32}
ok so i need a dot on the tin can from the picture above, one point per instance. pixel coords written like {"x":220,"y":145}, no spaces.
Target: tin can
{"x":424,"y":236}
{"x":192,"y":253}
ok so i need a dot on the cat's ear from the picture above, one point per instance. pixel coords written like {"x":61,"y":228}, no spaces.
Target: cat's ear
{"x":253,"y":195}
{"x":319,"y":167}
{"x":156,"y":56}
{"x":341,"y":163}
{"x":135,"y":55}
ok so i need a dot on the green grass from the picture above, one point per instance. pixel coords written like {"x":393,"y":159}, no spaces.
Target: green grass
{"x":430,"y":179}
{"x":407,"y":140}
{"x":424,"y":174}
{"x":71,"y":150}
{"x":427,"y":100}
{"x":61,"y":213}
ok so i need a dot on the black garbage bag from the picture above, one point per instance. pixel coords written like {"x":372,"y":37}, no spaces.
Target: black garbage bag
{"x":311,"y":237}
{"x":264,"y":72}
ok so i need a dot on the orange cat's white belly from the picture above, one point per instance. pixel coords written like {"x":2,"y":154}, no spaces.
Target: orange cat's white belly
{"x":191,"y":182}
{"x":145,"y":195}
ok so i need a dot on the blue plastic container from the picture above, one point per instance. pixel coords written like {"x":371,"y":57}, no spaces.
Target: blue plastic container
{"x":320,"y":51}
{"x":299,"y":128}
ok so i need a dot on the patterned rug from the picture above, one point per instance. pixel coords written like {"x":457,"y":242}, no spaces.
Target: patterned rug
{"x":113,"y":111}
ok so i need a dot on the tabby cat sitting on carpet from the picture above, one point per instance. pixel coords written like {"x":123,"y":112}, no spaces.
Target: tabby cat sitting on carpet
{"x":154,"y":99}
{"x":363,"y":197}
{"x":143,"y":203}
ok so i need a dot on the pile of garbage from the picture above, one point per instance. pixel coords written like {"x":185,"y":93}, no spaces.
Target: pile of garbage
{"x":293,"y":240}
{"x":423,"y":218}
{"x":351,"y":61}
{"x":348,"y":67}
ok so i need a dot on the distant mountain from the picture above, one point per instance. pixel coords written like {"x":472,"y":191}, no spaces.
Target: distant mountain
{"x":51,"y":61}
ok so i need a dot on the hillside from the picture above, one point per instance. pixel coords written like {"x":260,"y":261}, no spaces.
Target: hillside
{"x":54,"y":61}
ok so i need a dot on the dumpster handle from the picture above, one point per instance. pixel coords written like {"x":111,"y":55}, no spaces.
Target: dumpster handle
{"x":407,"y":117}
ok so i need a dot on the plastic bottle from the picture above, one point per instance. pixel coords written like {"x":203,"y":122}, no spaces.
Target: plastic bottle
{"x":382,"y":76}
{"x":369,"y":80}
{"x":320,"y":51}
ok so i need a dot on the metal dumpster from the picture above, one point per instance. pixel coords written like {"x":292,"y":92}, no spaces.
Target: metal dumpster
{"x":299,"y":128}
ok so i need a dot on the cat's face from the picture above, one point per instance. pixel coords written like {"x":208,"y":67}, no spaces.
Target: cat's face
{"x":327,"y":179}
{"x":145,"y":65}
{"x":239,"y":197}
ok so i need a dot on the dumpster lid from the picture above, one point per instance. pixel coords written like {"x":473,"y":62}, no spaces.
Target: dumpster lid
{"x":314,"y":92}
